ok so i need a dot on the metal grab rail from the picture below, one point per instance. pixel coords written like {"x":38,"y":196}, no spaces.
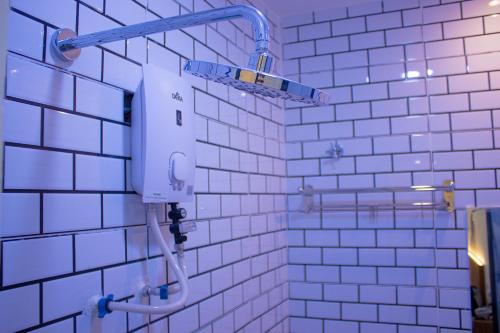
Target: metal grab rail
{"x":448,"y":189}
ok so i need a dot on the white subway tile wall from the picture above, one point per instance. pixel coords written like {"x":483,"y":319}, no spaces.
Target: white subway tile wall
{"x":72,"y":225}
{"x":414,"y":102}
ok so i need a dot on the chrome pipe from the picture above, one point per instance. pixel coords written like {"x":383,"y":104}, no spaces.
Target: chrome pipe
{"x":66,"y":43}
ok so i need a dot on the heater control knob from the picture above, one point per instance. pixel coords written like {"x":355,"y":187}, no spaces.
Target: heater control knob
{"x":179,"y":167}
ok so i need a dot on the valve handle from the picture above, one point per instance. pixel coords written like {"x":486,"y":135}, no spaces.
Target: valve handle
{"x":164,"y":291}
{"x":102,"y":306}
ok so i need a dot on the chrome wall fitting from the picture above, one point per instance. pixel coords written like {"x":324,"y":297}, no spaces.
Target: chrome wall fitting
{"x":66,"y":56}
{"x":335,"y":152}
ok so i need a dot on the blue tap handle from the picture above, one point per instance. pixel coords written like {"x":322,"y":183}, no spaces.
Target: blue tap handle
{"x":102,"y":306}
{"x":164,"y":292}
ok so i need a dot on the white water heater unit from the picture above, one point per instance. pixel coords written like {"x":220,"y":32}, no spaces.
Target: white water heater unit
{"x":163,"y":137}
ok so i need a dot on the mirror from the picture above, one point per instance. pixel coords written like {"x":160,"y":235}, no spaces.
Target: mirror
{"x":484,"y":260}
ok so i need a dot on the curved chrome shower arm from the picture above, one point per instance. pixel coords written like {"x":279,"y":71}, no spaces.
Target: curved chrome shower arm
{"x":67,"y":44}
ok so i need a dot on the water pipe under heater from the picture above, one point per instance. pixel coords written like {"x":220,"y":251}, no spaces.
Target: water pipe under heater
{"x":105,"y":305}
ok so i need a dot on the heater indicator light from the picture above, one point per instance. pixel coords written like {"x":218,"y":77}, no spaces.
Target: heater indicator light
{"x":179,"y":118}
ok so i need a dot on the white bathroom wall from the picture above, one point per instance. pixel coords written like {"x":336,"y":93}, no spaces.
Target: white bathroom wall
{"x":415,"y":93}
{"x":71,"y":225}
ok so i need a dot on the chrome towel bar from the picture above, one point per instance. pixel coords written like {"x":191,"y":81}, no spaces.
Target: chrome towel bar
{"x":448,"y":189}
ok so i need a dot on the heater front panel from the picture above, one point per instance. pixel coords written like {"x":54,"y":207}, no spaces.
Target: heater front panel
{"x":163,"y":149}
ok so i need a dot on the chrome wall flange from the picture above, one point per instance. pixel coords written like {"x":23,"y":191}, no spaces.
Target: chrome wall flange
{"x":65,"y":56}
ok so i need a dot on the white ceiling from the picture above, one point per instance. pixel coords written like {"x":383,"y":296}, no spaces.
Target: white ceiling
{"x":284,"y":8}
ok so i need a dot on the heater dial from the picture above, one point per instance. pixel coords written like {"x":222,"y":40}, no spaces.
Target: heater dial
{"x":179,"y":167}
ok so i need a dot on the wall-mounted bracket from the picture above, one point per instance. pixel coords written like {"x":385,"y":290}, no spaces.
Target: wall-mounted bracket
{"x":66,"y":56}
{"x":449,"y":195}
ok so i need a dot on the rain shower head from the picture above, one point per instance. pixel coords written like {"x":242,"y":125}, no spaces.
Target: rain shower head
{"x":66,"y":46}
{"x":256,"y":82}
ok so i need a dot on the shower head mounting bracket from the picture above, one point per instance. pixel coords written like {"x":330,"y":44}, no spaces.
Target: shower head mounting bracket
{"x":66,"y":56}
